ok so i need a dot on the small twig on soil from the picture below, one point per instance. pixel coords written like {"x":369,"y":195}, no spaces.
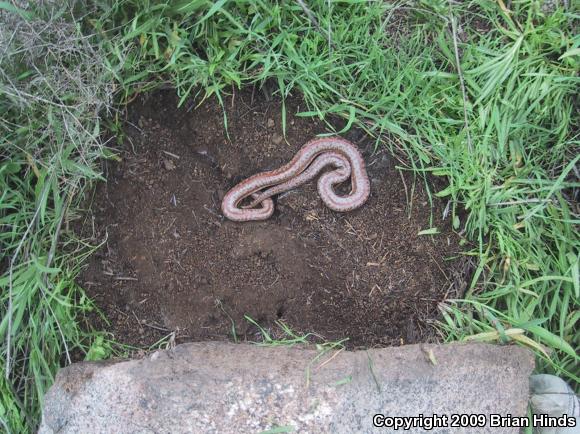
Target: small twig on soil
{"x":351,"y":230}
{"x":171,"y":154}
{"x":214,"y":213}
{"x":136,"y":318}
{"x":163,"y":329}
{"x":275,"y":280}
{"x":438,"y":266}
{"x":169,"y":226}
{"x":405,"y":187}
{"x":121,"y":312}
{"x":373,"y":288}
{"x":195,"y":217}
{"x":346,"y":285}
{"x":451,"y":285}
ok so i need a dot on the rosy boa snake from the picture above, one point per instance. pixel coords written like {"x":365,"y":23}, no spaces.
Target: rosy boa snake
{"x":306,"y":164}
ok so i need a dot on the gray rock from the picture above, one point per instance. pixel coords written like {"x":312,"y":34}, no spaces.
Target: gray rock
{"x":551,"y":396}
{"x":228,"y":388}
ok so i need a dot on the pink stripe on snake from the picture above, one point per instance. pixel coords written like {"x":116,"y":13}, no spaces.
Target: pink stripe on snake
{"x":306,"y":164}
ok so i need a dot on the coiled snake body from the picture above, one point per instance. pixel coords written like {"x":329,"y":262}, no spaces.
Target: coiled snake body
{"x":306,"y":164}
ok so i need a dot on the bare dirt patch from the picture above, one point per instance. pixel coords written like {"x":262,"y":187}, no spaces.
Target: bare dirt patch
{"x":171,"y":262}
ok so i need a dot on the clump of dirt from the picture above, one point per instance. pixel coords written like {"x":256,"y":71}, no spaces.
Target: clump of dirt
{"x":171,"y":262}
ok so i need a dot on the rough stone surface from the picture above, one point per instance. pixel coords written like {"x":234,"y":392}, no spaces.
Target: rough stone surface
{"x":228,"y":388}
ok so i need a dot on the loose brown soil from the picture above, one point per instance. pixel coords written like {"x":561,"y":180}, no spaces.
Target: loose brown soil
{"x":171,"y":262}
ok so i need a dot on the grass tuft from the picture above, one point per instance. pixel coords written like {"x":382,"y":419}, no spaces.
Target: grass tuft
{"x":53,"y":89}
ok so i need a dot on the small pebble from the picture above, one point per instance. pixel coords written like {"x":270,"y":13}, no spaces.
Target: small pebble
{"x":271,"y":123}
{"x":168,"y":164}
